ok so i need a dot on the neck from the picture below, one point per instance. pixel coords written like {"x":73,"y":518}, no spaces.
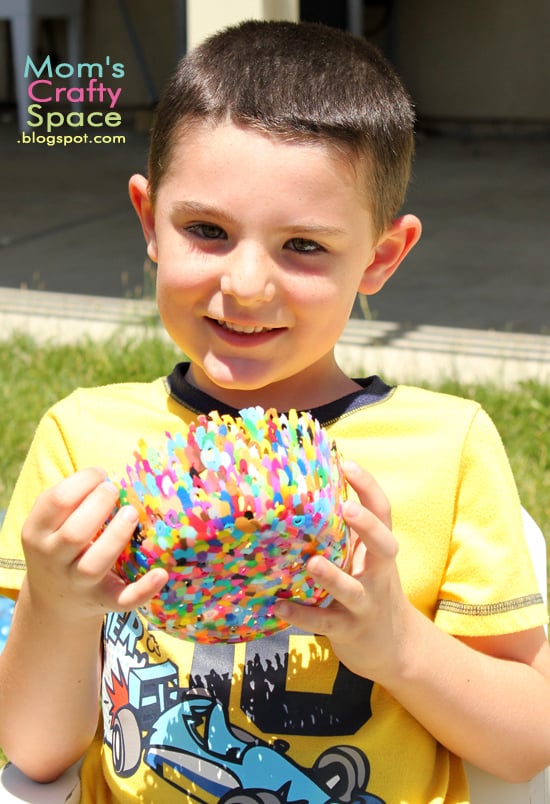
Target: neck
{"x":294,"y":392}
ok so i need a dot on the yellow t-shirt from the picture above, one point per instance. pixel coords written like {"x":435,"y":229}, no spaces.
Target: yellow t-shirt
{"x":279,"y":719}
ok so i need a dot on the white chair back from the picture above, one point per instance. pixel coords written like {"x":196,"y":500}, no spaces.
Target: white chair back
{"x":486,"y":789}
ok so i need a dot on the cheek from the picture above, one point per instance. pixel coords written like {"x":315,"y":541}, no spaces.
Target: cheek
{"x":328,"y":301}
{"x":318,"y":290}
{"x":176,"y":271}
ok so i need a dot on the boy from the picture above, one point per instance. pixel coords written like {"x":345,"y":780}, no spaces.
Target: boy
{"x":279,"y":161}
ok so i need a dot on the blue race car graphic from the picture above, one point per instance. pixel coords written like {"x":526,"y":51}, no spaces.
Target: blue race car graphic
{"x":192,"y":745}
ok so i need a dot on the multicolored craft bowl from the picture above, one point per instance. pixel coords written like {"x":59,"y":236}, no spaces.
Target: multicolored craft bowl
{"x":232,"y":508}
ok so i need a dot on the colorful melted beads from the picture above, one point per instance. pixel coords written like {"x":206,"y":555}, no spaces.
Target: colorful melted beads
{"x":232,"y":508}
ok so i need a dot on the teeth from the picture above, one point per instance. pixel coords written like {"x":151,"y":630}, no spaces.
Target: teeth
{"x":244,"y":330}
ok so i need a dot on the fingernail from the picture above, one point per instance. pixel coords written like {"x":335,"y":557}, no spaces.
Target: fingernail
{"x":351,"y":468}
{"x":352,"y":509}
{"x":129,"y":513}
{"x":281,"y":610}
{"x":110,"y":486}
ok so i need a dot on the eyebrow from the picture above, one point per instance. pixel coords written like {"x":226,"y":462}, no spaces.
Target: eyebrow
{"x":316,"y":229}
{"x":203,"y":210}
{"x":210,"y":211}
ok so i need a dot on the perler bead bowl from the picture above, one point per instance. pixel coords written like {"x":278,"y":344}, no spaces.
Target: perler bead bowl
{"x":232,"y":509}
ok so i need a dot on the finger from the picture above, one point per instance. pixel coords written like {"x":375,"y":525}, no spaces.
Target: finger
{"x":347,"y":594}
{"x":369,"y":492}
{"x":121,"y":596}
{"x":341,"y":586}
{"x":328,"y":620}
{"x":54,"y":506}
{"x":374,"y":534}
{"x":83,"y":524}
{"x":98,"y":556}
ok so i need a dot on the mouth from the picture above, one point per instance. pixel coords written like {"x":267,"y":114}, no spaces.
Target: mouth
{"x":241,"y":329}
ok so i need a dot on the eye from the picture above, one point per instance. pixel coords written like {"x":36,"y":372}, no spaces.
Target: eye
{"x":303,"y":246}
{"x":207,"y":231}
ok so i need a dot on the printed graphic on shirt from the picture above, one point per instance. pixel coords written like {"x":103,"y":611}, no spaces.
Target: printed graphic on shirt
{"x":211,"y":736}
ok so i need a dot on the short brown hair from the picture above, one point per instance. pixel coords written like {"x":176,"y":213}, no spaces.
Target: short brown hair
{"x":301,"y":81}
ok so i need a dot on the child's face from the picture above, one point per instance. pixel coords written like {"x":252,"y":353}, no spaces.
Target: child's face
{"x":261,"y":248}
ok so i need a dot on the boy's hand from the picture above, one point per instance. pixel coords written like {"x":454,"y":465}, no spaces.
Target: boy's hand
{"x":69,"y":570}
{"x":366,"y":621}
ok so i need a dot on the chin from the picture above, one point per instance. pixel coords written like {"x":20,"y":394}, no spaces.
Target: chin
{"x":241,"y":389}
{"x":239,"y":376}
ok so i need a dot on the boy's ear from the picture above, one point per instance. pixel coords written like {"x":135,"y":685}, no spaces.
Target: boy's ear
{"x":139,"y":196}
{"x":393,"y":246}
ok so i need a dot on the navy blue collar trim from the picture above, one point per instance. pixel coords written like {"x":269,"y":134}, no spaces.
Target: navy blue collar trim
{"x":372,"y":390}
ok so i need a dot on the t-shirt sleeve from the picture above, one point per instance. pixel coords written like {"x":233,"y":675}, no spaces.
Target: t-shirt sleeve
{"x":489,"y":587}
{"x":48,"y":461}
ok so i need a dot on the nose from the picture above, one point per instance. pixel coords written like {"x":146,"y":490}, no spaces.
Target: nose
{"x":249,"y":275}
